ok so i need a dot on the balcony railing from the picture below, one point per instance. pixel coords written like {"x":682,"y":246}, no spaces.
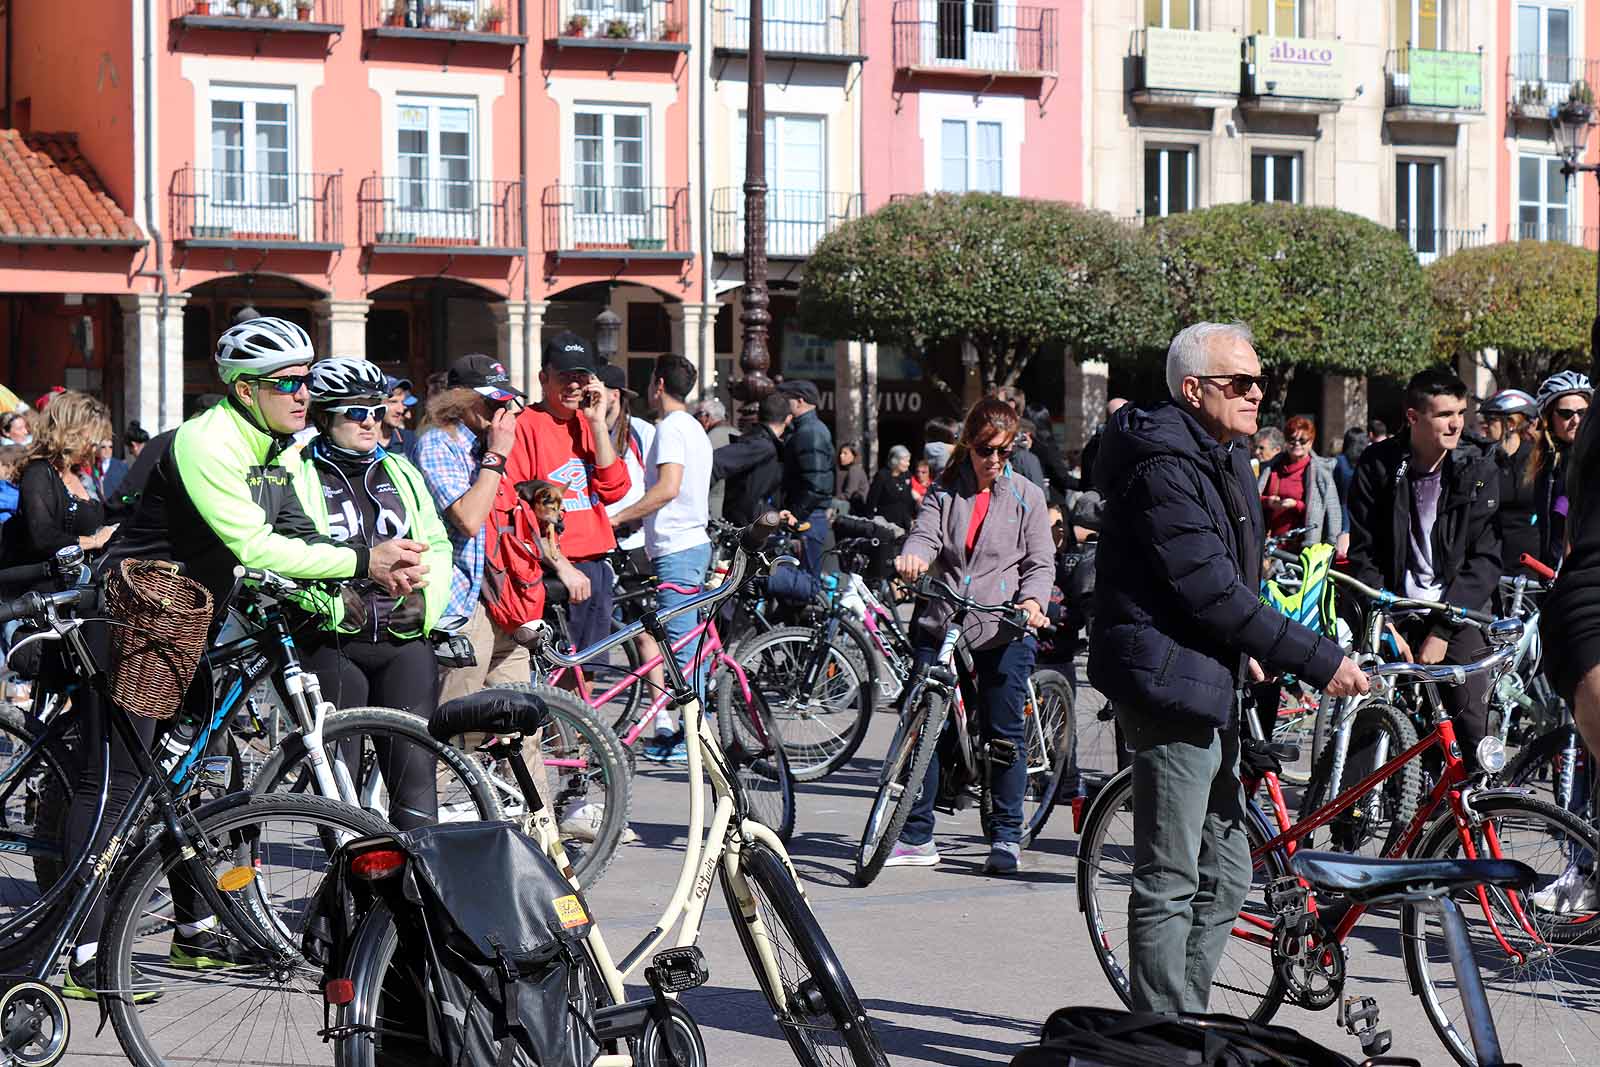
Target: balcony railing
{"x":823,"y":28}
{"x":255,"y":209}
{"x":1431,"y":243}
{"x":796,"y":220}
{"x":974,"y":36}
{"x":605,"y":222}
{"x":482,"y":21}
{"x":1423,"y":78}
{"x":1582,"y":236}
{"x":439,"y":215}
{"x":651,"y":24}
{"x":269,"y":16}
{"x":1539,"y":85}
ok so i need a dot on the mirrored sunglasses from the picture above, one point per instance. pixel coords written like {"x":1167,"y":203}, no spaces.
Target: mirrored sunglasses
{"x":361,"y":412}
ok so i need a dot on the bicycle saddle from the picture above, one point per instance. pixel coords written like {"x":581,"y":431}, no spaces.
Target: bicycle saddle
{"x":554,"y":591}
{"x":492,"y":711}
{"x":1370,"y":880}
{"x":1259,"y":757}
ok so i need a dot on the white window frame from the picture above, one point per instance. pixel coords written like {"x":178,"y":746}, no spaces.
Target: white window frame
{"x":1414,"y":7}
{"x":1167,"y":7}
{"x":254,"y":199}
{"x":1542,"y":201}
{"x":796,"y":218}
{"x":435,"y":215}
{"x":1560,"y":79}
{"x":1413,"y":231}
{"x":972,"y":127}
{"x":612,"y":221}
{"x":1296,"y":176}
{"x":1164,"y":194}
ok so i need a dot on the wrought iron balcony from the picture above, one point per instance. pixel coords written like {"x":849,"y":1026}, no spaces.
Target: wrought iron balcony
{"x":1539,"y":85}
{"x":258,"y":16}
{"x":609,"y":222}
{"x":438,"y":215}
{"x":255,"y":209}
{"x":648,"y":25}
{"x":1582,"y":236}
{"x":1431,"y":243}
{"x":796,"y":220}
{"x":821,"y":30}
{"x":455,"y":21}
{"x":1433,"y":86}
{"x":981,"y":37}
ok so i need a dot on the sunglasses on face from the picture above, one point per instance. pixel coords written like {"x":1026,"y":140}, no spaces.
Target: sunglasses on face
{"x":1237,"y":384}
{"x":1570,"y":413}
{"x":287,"y":385}
{"x":1299,"y":440}
{"x":361,"y":412}
{"x":988,"y":451}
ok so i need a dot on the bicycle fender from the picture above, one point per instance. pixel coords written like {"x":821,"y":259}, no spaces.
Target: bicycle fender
{"x":153,"y":841}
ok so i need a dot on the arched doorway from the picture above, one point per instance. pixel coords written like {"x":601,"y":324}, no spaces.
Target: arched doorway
{"x":417,"y":326}
{"x":215,"y":305}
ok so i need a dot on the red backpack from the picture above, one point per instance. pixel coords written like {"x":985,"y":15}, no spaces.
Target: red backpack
{"x":513,"y":574}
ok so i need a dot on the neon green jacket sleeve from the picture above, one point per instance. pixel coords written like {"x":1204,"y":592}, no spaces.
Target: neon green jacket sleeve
{"x":428,"y":527}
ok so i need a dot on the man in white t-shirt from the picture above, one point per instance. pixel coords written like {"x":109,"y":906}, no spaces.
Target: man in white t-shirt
{"x":677,"y":477}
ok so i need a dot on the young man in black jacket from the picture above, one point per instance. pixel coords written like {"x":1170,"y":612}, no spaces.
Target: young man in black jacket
{"x":807,"y":469}
{"x":750,"y":465}
{"x":1423,"y":525}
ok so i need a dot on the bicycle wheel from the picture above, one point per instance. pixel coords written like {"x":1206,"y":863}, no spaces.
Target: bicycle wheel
{"x":278,"y":844}
{"x":1539,"y":1001}
{"x":33,"y":812}
{"x":1296,"y":725}
{"x":1051,"y":754}
{"x":822,"y":723}
{"x":585,"y":780}
{"x":1372,"y":827}
{"x":1246,"y":982}
{"x":906,"y":763}
{"x":372,"y":739}
{"x":1550,"y":765}
{"x":811,"y":997}
{"x":757,"y":754}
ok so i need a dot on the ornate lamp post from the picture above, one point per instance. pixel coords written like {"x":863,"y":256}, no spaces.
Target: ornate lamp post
{"x":607,"y":332}
{"x":1570,"y":122}
{"x":754,"y":359}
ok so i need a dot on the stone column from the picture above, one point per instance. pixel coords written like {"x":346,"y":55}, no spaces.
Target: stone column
{"x":525,"y":373}
{"x":510,"y":321}
{"x":849,"y":379}
{"x":1083,"y":402}
{"x":342,"y":328}
{"x":1344,"y":404}
{"x":872,"y":459}
{"x":686,"y":325}
{"x":157,"y":405}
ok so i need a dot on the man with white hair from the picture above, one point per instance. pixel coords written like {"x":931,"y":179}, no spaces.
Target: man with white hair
{"x":713,"y":419}
{"x":1179,"y":630}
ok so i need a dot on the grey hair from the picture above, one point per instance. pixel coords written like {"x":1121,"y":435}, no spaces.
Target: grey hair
{"x":899,"y":452}
{"x":1189,"y":355}
{"x":711,"y":408}
{"x":1269,"y":435}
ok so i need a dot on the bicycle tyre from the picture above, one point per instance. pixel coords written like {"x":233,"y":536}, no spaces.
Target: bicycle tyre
{"x":582,"y":736}
{"x":798,"y":1006}
{"x":1057,"y":696}
{"x":904,"y":767}
{"x":775,"y":663}
{"x":1397,"y":798}
{"x":757,"y":755}
{"x":1110,"y":816}
{"x":1538,"y":766}
{"x":42,"y":806}
{"x":473,"y":796}
{"x":224,"y":826}
{"x":1555,"y":937}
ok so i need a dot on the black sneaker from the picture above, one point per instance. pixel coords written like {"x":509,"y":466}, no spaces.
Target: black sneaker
{"x":1005,"y":857}
{"x":79,"y":985}
{"x":205,"y":951}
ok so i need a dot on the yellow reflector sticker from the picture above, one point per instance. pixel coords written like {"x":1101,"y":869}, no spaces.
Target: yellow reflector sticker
{"x":570,"y":911}
{"x":235,"y":879}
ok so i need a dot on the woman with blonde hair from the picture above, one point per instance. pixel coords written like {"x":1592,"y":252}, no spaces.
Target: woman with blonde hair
{"x":56,"y":505}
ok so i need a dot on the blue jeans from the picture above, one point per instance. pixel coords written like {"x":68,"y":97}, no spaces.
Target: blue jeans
{"x":687,"y":569}
{"x":813,"y":540}
{"x":1002,"y":686}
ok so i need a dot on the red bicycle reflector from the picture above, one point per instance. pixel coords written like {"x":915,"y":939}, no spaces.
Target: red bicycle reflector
{"x":339,"y":991}
{"x":379,"y":863}
{"x":1077,"y":814}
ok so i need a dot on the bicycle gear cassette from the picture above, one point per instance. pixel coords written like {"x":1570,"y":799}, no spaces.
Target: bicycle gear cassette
{"x":34,"y":1026}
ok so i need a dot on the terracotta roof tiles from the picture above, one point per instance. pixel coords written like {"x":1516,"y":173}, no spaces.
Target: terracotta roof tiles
{"x":49,"y":189}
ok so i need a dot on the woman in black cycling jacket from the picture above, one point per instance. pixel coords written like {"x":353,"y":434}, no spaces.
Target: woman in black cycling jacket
{"x":365,"y":646}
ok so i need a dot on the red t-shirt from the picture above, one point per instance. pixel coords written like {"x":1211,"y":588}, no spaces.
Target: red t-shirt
{"x":980,"y":511}
{"x":563,"y":453}
{"x":1289,"y":481}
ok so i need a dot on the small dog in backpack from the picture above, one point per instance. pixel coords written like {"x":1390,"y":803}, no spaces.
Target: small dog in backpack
{"x":545,"y":500}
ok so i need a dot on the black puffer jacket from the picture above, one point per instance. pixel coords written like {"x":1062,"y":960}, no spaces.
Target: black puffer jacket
{"x":807,"y":465}
{"x":1466,"y":534}
{"x":1518,"y":517}
{"x":749,"y":464}
{"x":1177,"y":606}
{"x":1569,"y":621}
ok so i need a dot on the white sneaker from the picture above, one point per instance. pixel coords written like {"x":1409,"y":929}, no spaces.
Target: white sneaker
{"x":583,"y":823}
{"x":1573,"y":891}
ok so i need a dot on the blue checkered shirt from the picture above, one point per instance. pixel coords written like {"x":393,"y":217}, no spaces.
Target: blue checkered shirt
{"x":449,"y":464}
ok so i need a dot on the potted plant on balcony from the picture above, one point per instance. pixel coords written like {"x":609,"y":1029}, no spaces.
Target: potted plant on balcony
{"x":396,"y":15}
{"x":267,"y":9}
{"x":302,"y":9}
{"x":577,"y":26}
{"x":493,"y":20}
{"x":438,"y":17}
{"x":201,"y":7}
{"x":1579,"y":106}
{"x":460,"y":19}
{"x":671,"y":29}
{"x":241,"y":8}
{"x":619,"y":30}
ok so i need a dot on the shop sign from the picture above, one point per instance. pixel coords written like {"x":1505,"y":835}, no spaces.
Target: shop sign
{"x":1191,"y":61}
{"x":1446,"y":79}
{"x":1298,"y":66}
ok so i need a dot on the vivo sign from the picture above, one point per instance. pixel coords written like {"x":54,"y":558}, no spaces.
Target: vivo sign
{"x":1294,"y":66}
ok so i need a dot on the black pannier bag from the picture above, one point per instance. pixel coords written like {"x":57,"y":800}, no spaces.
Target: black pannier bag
{"x":490,"y":961}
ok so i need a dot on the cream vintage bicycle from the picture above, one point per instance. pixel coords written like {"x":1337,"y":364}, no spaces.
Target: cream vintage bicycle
{"x":811,"y":998}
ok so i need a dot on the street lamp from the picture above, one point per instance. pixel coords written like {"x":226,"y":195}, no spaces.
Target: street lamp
{"x":1570,"y":122}
{"x":607,"y":331}
{"x":754,"y":385}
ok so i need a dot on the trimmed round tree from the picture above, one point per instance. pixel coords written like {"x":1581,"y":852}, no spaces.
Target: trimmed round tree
{"x":1531,"y":301}
{"x":1321,"y":289}
{"x":1009,"y":275}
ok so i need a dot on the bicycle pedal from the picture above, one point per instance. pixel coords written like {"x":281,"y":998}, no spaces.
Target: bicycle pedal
{"x":679,"y":969}
{"x":1359,"y":1017}
{"x":1002,"y":751}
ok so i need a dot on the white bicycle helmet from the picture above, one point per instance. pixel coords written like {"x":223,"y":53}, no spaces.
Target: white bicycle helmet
{"x":1563,"y":383}
{"x":261,"y":346}
{"x":1510,"y":402}
{"x":346,"y":378}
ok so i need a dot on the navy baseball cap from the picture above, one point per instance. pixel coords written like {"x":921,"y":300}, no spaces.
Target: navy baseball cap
{"x":614,"y":377}
{"x":391,"y":383}
{"x":483,"y":374}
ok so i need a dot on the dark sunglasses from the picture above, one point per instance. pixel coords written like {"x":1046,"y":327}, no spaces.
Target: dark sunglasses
{"x":288,"y":384}
{"x":361,"y":412}
{"x":1570,"y":413}
{"x":986,"y":451}
{"x":1299,"y":440}
{"x":1238,"y":384}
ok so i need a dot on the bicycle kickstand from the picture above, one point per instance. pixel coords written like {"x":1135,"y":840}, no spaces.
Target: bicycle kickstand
{"x":1359,"y":1017}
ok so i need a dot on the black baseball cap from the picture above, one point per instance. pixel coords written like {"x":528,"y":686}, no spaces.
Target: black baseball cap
{"x":483,"y":374}
{"x":801,"y":390}
{"x":566,"y":351}
{"x":614,"y":377}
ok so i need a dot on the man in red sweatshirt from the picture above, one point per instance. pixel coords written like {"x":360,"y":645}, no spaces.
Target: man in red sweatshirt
{"x":563,"y":440}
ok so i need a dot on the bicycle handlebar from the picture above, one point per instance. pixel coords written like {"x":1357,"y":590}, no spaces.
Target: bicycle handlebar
{"x":1389,"y":602}
{"x":1537,"y":567}
{"x":271,"y":581}
{"x":931,"y":588}
{"x":38,"y":605}
{"x":1446,"y":673}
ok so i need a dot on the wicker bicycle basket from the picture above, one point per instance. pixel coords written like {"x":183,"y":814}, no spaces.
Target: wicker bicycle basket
{"x":164,"y":619}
